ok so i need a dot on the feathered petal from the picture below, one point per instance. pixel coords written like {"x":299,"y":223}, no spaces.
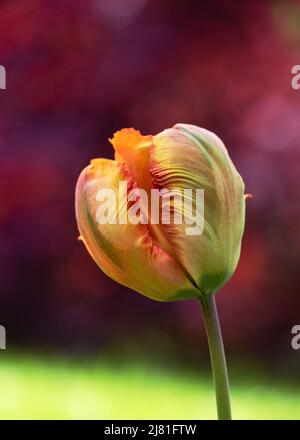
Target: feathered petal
{"x":187,"y":156}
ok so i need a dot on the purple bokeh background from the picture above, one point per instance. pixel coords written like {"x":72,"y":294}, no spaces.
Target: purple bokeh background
{"x":79,"y":70}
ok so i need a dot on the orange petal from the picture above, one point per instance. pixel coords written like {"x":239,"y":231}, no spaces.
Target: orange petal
{"x":132,"y":148}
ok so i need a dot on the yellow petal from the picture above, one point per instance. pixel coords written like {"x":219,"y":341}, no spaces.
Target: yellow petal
{"x":186,"y":156}
{"x":125,"y":252}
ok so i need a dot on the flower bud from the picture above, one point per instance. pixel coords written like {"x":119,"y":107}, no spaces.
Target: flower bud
{"x":164,"y":260}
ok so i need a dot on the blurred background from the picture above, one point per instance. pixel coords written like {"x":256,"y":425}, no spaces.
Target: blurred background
{"x":78,"y":344}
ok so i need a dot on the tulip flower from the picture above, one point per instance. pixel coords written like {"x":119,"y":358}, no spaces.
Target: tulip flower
{"x":167,"y":260}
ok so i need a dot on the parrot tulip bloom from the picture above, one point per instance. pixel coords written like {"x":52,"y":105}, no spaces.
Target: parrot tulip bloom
{"x":162,"y":261}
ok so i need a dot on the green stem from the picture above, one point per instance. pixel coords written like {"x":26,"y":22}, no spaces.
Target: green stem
{"x":217,"y":356}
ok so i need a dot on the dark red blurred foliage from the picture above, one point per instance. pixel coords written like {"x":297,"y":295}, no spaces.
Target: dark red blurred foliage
{"x":77,"y":70}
